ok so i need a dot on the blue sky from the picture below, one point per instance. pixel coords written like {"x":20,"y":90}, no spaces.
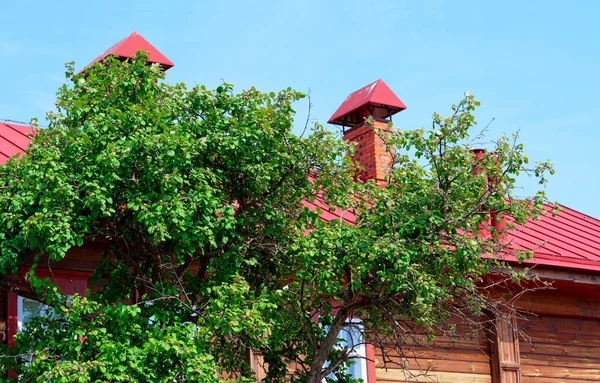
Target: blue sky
{"x":532,"y":64}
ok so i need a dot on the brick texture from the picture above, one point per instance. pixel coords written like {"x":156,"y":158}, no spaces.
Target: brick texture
{"x":371,"y":151}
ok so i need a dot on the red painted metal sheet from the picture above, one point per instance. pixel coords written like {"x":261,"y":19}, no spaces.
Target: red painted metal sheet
{"x":14,"y":139}
{"x":376,"y":93}
{"x":130,"y":45}
{"x":328,"y":215}
{"x":568,"y":239}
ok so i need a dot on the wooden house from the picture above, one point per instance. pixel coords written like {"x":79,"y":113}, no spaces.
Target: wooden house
{"x":554,"y":339}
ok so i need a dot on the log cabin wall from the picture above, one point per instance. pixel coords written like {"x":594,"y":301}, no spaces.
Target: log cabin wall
{"x":559,"y":349}
{"x":451,"y":363}
{"x":462,"y":357}
{"x":554,"y":338}
{"x":558,"y":339}
{"x":559,"y":332}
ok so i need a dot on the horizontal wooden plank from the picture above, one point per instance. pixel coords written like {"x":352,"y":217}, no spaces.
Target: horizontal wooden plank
{"x":438,"y":353}
{"x":390,"y":376}
{"x":424,"y":365}
{"x":540,"y":348}
{"x":462,"y":326}
{"x":591,"y":374}
{"x":423,"y":341}
{"x":464,"y":334}
{"x":555,"y":303}
{"x":438,"y":365}
{"x":534,"y":379}
{"x":536,"y":337}
{"x":560,"y":325}
{"x":561,"y":361}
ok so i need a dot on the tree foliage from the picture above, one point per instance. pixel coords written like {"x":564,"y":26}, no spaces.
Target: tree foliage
{"x":199,"y":199}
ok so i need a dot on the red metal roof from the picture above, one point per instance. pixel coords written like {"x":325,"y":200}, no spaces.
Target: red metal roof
{"x":14,"y":139}
{"x":130,"y":45}
{"x":569,"y":240}
{"x":377,"y":94}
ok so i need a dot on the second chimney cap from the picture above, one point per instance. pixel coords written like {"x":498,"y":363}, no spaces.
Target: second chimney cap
{"x":375,"y":99}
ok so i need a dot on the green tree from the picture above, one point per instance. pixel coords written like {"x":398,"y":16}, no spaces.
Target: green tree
{"x":197,"y":197}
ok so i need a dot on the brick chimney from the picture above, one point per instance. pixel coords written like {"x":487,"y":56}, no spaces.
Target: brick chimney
{"x":376,"y":100}
{"x":497,"y":220}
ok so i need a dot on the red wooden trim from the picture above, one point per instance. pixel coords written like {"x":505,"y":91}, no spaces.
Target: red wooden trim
{"x":12,"y":319}
{"x":370,"y":354}
{"x":68,"y":281}
{"x":43,"y":272}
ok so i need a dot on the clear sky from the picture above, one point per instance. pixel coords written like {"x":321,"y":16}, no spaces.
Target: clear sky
{"x":534,"y":65}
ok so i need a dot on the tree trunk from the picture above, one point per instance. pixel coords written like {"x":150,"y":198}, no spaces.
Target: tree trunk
{"x":324,"y":349}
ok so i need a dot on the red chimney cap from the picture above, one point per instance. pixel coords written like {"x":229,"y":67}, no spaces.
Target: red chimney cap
{"x":130,"y":45}
{"x":376,"y":99}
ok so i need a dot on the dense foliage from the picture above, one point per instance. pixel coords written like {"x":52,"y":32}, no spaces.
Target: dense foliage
{"x":196,"y":198}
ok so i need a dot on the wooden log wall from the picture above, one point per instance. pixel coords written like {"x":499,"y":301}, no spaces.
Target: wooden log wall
{"x":559,"y":349}
{"x":558,"y":338}
{"x":464,"y":357}
{"x":555,"y":338}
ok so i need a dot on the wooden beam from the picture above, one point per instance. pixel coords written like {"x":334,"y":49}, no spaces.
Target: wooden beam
{"x":564,"y":275}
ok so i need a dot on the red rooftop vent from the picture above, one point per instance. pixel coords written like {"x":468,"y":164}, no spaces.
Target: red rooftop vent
{"x":375,"y":99}
{"x":130,"y":45}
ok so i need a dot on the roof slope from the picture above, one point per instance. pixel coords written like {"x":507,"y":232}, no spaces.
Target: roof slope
{"x":568,"y":240}
{"x":14,"y":139}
